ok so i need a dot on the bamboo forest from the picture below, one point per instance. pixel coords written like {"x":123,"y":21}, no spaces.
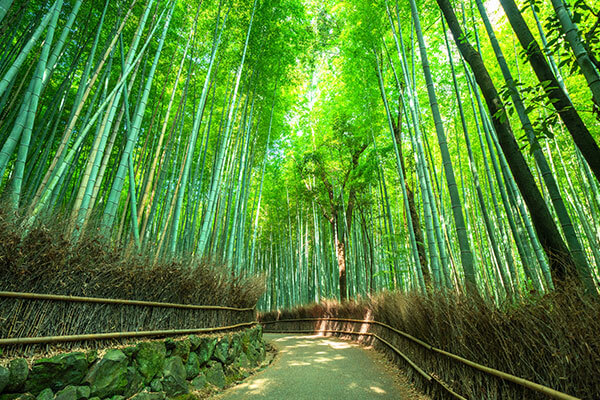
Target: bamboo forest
{"x":336,"y":152}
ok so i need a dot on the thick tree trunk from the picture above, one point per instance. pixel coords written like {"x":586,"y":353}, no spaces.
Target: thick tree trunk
{"x":561,"y":261}
{"x":561,"y":102}
{"x":340,"y":252}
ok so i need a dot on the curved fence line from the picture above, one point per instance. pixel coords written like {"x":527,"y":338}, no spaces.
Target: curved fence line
{"x":490,"y":371}
{"x":100,"y":300}
{"x":118,"y":335}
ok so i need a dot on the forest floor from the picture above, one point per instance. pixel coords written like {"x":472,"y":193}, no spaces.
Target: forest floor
{"x":316,"y":367}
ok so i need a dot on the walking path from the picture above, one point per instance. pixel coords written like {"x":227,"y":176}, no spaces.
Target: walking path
{"x":316,"y":367}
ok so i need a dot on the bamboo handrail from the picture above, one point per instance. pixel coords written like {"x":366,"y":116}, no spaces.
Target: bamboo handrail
{"x":490,"y":371}
{"x":117,"y":335}
{"x":80,"y":299}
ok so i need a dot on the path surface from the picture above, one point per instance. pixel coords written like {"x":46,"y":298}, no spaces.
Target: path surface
{"x":315,"y":367}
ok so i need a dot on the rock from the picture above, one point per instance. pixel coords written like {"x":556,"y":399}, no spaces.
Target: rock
{"x":18,"y":371}
{"x":46,"y":394}
{"x":4,"y":378}
{"x":57,"y":372}
{"x":169,"y":344}
{"x":182,"y":349}
{"x":129,"y":351}
{"x":173,"y":381}
{"x":135,"y":382}
{"x":68,"y":393}
{"x":242,"y":361}
{"x":149,"y":396}
{"x":235,"y":348}
{"x":221,"y":350}
{"x":150,"y":358}
{"x":206,"y":349}
{"x":199,"y":382}
{"x":156,"y":385}
{"x":253,"y":354}
{"x":215,"y":375}
{"x":192,"y":366}
{"x":232,"y":374}
{"x":17,"y":396}
{"x":108,"y":377}
{"x":83,"y":392}
{"x":195,"y":342}
{"x":91,"y":356}
{"x":246,"y":341}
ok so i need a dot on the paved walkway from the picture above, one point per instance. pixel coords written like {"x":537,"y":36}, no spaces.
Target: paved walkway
{"x":315,"y":367}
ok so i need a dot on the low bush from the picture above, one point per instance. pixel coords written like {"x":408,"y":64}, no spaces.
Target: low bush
{"x":42,"y":259}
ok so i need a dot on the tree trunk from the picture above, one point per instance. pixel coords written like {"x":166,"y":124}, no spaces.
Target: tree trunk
{"x":340,"y":252}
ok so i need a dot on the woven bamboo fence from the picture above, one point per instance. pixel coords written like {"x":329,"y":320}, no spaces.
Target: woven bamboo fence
{"x":30,"y":322}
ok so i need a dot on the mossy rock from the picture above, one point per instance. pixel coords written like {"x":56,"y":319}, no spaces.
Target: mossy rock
{"x":182,"y":349}
{"x":206,"y":349}
{"x":195,"y":342}
{"x":91,"y":356}
{"x":221,"y":350}
{"x":150,"y":358}
{"x":130,"y":351}
{"x":18,"y":371}
{"x":170,"y":344}
{"x":149,"y":396}
{"x":4,"y":378}
{"x":246,"y":340}
{"x":108,"y":377}
{"x":57,"y":372}
{"x":46,"y":394}
{"x":17,"y":396}
{"x":135,"y":382}
{"x":215,"y":374}
{"x":233,"y":374}
{"x":235,"y":348}
{"x":192,"y":366}
{"x":173,"y":381}
{"x":156,"y":385}
{"x":242,"y":361}
{"x":199,"y":382}
{"x":73,"y":393}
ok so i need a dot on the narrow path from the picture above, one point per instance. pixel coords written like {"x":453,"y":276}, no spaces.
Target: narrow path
{"x":316,"y":367}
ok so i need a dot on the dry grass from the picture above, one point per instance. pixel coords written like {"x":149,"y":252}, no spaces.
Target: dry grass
{"x":44,"y":260}
{"x":552,"y":340}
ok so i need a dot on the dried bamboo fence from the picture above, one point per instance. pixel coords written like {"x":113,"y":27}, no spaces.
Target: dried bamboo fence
{"x":30,"y":322}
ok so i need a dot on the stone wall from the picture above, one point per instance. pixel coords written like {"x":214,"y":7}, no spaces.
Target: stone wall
{"x":151,"y":370}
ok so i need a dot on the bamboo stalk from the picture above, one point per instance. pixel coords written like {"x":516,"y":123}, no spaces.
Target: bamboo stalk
{"x":55,"y":297}
{"x":118,"y":335}
{"x":555,"y":394}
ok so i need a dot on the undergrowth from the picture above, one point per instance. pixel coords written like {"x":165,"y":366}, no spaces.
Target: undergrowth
{"x":43,"y":259}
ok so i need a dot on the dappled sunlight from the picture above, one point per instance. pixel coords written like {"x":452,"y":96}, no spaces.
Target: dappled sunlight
{"x":255,"y":386}
{"x":377,"y":390}
{"x":313,"y":367}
